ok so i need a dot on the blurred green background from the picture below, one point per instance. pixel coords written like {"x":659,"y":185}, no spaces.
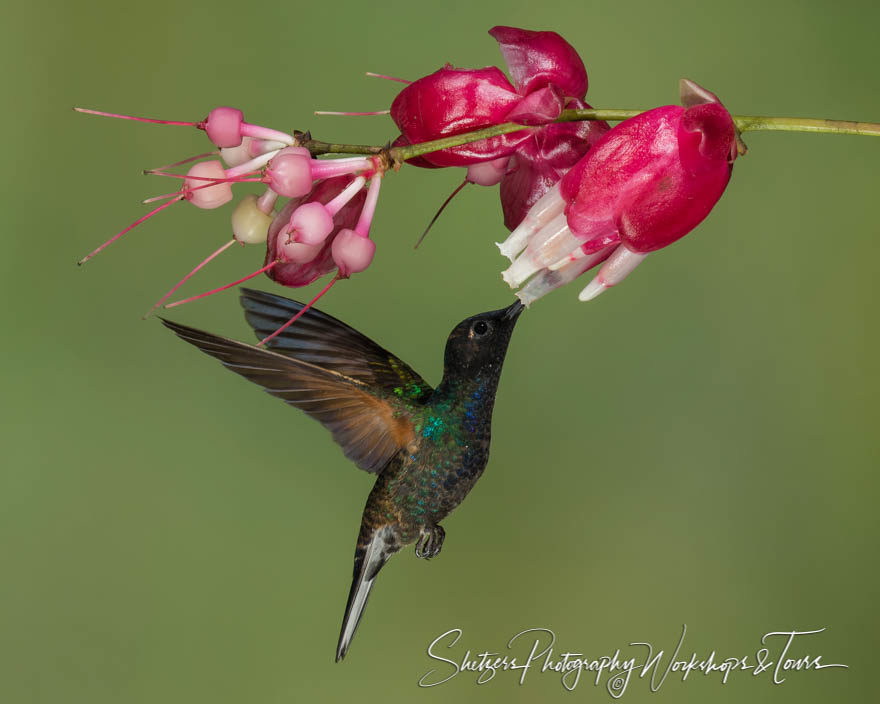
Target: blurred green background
{"x":699,"y":446}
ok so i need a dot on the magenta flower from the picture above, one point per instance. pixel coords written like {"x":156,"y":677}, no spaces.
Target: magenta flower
{"x":548,"y":75}
{"x":452,"y":101}
{"x":546,"y":72}
{"x":645,"y":184}
{"x":536,"y":60}
{"x":541,"y":160}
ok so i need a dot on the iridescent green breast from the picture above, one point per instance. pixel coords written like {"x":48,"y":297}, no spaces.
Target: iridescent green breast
{"x":449,"y":455}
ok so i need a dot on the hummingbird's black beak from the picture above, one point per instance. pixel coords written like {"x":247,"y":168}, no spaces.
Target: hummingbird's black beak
{"x":513,"y":310}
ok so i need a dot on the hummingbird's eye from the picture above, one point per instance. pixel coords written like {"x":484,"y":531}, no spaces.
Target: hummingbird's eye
{"x":480,"y":328}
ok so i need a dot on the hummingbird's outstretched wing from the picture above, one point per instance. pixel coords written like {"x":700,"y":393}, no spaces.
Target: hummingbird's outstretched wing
{"x":323,"y":340}
{"x":369,"y":423}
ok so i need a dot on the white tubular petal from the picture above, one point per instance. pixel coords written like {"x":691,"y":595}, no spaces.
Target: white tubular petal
{"x":254,"y":164}
{"x":548,"y":280}
{"x":553,"y":247}
{"x":543,"y":211}
{"x":590,"y":259}
{"x":565,"y":261}
{"x":620,"y":265}
{"x":552,"y":242}
{"x":515,"y":242}
{"x":519,"y":271}
{"x":547,"y":206}
{"x":265,"y":145}
{"x":617,"y":267}
{"x":592,"y":289}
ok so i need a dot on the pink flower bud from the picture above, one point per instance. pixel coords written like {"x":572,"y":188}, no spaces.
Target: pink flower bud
{"x":352,"y":252}
{"x":488,"y":173}
{"x":223,"y":126}
{"x":226,"y":128}
{"x":290,"y":172}
{"x":297,"y":252}
{"x":250,"y":224}
{"x":196,"y":188}
{"x":310,"y":223}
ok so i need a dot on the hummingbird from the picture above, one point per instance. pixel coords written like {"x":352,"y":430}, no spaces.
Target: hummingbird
{"x":427,"y":446}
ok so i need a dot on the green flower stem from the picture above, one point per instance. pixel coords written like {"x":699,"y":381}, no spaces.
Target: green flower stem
{"x":317,"y":147}
{"x":401,"y":154}
{"x":744,"y":123}
{"x":593,"y":114}
{"x":748,"y":123}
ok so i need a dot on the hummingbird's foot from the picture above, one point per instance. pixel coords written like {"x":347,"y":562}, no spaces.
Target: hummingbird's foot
{"x":430,"y":541}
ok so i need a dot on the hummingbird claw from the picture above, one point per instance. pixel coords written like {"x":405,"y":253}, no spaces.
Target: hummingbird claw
{"x":430,"y":541}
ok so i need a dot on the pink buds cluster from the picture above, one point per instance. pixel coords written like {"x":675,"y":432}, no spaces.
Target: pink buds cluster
{"x":643,"y":185}
{"x":324,"y":226}
{"x":347,"y":208}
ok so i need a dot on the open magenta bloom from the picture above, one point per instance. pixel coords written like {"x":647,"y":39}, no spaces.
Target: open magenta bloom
{"x":646,"y":183}
{"x":547,"y":76}
{"x":455,"y":100}
{"x":546,"y":73}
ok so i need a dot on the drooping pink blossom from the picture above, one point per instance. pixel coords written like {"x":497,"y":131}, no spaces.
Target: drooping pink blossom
{"x":353,"y":250}
{"x":643,"y":185}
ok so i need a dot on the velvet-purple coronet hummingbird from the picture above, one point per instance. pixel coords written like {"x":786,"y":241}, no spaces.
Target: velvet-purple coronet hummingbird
{"x":427,"y":446}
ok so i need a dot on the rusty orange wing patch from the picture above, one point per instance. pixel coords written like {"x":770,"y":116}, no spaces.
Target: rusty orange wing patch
{"x":368,"y":421}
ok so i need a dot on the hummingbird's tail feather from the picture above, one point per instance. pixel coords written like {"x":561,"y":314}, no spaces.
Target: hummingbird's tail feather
{"x":368,"y":560}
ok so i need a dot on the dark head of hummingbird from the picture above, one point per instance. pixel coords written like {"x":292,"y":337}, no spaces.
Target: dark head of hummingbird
{"x":428,"y":446}
{"x":475,"y":352}
{"x":477,"y":346}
